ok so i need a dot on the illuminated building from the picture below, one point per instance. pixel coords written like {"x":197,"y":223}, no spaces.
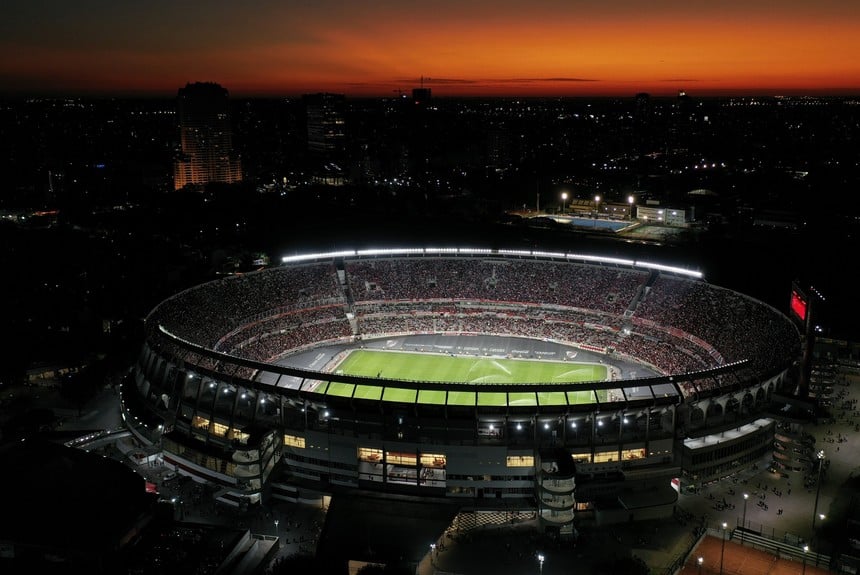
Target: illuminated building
{"x":240,"y":381}
{"x":206,"y":137}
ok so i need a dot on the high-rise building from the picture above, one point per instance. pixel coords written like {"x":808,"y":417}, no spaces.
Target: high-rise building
{"x":325,"y":123}
{"x":206,"y":138}
{"x":326,"y":136}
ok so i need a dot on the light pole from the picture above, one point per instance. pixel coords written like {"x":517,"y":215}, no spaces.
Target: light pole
{"x":563,"y":202}
{"x":820,"y":455}
{"x":432,"y":553}
{"x":805,"y":550}
{"x":821,"y":517}
{"x":630,"y":200}
{"x":744,"y":526}
{"x":276,"y":526}
{"x":700,"y":560}
{"x":723,"y":548}
{"x":540,"y":559}
{"x":596,"y":207}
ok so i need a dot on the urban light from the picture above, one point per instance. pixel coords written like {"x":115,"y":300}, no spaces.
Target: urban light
{"x":630,"y":200}
{"x":744,"y":526}
{"x":805,"y":551}
{"x":723,"y":548}
{"x":820,"y":456}
{"x":821,"y":517}
{"x":700,"y":560}
{"x":563,"y":201}
{"x":540,"y":559}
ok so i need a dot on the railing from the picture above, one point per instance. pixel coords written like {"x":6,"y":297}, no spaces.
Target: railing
{"x":781,"y":548}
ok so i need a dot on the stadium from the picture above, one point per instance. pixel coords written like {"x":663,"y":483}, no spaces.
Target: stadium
{"x":572,"y":387}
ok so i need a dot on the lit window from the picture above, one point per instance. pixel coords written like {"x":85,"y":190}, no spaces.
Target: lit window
{"x":408,"y":459}
{"x":433,"y":460}
{"x":294,"y":441}
{"x":521,"y":461}
{"x":370,"y":454}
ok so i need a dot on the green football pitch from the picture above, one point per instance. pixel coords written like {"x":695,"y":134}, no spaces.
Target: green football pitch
{"x":465,"y":369}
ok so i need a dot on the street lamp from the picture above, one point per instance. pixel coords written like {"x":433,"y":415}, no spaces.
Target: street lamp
{"x":563,"y":201}
{"x":700,"y":560}
{"x":630,"y":200}
{"x":540,"y":559}
{"x":432,"y":552}
{"x":805,"y":551}
{"x":276,"y":526}
{"x":820,"y":456}
{"x":744,"y":526}
{"x":723,"y":548}
{"x":821,"y":517}
{"x":596,"y":205}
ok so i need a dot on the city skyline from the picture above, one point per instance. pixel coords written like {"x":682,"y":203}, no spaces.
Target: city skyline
{"x":474,"y":49}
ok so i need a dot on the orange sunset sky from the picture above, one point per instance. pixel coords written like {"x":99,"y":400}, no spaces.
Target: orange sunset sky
{"x":376,"y":47}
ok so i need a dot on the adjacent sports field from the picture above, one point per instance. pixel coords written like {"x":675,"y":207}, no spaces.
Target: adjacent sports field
{"x":464,"y":369}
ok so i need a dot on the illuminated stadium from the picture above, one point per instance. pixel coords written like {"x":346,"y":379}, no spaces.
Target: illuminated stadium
{"x":572,"y":386}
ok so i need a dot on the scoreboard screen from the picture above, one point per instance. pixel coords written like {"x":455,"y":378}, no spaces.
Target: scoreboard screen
{"x":798,"y":304}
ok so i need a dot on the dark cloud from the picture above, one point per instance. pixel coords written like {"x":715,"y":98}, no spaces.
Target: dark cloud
{"x":447,"y":81}
{"x":489,"y":81}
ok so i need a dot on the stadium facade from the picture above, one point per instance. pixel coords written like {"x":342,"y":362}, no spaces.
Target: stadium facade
{"x":238,"y":382}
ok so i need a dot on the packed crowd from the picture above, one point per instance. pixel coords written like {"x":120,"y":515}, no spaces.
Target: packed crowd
{"x":676,"y":325}
{"x":606,"y":289}
{"x":206,"y":312}
{"x":718,"y":316}
{"x":253,"y":333}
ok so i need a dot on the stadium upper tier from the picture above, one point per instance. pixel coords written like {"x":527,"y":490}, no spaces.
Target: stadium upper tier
{"x":705,"y":337}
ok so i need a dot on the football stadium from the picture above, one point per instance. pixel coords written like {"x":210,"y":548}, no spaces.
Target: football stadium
{"x":571,"y":387}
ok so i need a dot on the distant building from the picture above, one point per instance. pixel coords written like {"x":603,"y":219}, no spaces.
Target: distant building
{"x":642,"y":112}
{"x":421,"y":96}
{"x":326,"y":136}
{"x":206,"y":138}
{"x":642,"y":122}
{"x":498,"y":147}
{"x":659,"y":215}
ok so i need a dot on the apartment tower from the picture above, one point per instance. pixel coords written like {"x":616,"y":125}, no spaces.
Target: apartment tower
{"x":205,"y":137}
